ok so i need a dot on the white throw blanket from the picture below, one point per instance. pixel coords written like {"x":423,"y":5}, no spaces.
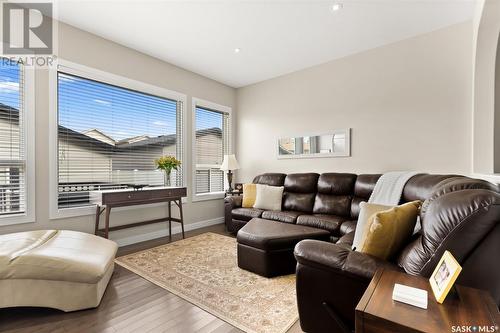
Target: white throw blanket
{"x":389,"y":187}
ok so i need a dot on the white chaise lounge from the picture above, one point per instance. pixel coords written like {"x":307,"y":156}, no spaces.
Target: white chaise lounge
{"x":59,"y":269}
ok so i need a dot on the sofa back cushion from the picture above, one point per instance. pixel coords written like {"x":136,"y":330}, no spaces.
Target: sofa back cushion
{"x":271,"y":179}
{"x":300,"y":190}
{"x":363,"y":188}
{"x":456,"y":217}
{"x":421,"y":186}
{"x":335,"y":192}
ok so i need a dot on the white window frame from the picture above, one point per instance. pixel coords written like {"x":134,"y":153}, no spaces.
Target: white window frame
{"x":29,"y":136}
{"x":104,"y":77}
{"x":198,"y":102}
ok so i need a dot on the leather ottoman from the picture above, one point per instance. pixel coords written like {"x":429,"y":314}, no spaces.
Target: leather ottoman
{"x":60,"y":269}
{"x":266,"y":247}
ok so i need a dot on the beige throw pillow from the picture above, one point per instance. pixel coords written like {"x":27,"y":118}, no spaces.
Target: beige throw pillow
{"x":269,"y":197}
{"x":365,"y":212}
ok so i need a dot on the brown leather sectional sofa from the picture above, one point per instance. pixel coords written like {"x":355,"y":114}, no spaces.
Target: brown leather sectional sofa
{"x":328,"y":201}
{"x":459,"y":214}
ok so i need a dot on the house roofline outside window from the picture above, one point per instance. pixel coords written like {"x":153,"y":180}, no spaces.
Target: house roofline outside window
{"x":103,"y":77}
{"x":28,"y":216}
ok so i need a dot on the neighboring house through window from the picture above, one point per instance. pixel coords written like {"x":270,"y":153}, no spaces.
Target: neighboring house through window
{"x":109,"y":134}
{"x":16,"y":144}
{"x":212,"y":140}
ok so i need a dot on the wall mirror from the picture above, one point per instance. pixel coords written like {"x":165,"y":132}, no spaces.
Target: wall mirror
{"x":337,"y":143}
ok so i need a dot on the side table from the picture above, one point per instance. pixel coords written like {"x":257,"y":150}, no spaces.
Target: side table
{"x":467,"y":308}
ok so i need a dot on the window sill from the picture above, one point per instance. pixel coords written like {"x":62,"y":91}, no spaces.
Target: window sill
{"x":16,"y":219}
{"x":208,"y":196}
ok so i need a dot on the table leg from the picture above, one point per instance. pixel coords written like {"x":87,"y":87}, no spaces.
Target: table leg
{"x":106,"y":230}
{"x":181,"y":217}
{"x":97,"y":214}
{"x":170,"y":220}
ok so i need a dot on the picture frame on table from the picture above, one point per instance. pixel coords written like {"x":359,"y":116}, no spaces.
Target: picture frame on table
{"x":238,"y":187}
{"x":444,"y":276}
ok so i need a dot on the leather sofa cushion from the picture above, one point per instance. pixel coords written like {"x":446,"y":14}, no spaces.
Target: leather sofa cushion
{"x":283,"y":216}
{"x":348,"y":227}
{"x":301,"y":183}
{"x":363,"y":188}
{"x":355,"y":206}
{"x":270,"y":235}
{"x":336,"y":183}
{"x":453,"y":184}
{"x":364,"y":185}
{"x":421,"y":186}
{"x":338,"y":259}
{"x":454,"y":221}
{"x":332,"y":204}
{"x":271,"y":179}
{"x":64,"y":256}
{"x":346,"y":240}
{"x":300,"y":190}
{"x":302,"y":202}
{"x":328,"y":222}
{"x":246,"y":214}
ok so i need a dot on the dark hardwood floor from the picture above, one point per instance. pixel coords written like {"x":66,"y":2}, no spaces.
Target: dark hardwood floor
{"x":130,"y":304}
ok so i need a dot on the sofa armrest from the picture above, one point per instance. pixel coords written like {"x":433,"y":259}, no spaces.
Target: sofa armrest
{"x":338,"y":258}
{"x":233,"y":201}
{"x":346,"y":240}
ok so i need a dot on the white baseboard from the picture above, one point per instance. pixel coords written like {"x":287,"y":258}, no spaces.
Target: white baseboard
{"x":163,"y":233}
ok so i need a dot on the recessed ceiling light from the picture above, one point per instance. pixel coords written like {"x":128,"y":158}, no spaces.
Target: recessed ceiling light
{"x":337,"y":6}
{"x":237,"y":50}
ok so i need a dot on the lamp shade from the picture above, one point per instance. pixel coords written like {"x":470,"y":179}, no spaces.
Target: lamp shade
{"x":229,"y":163}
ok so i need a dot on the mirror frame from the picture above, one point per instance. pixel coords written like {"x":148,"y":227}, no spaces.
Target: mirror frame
{"x":346,"y":153}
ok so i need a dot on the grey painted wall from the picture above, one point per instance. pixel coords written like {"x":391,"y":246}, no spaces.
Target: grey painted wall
{"x":408,"y":104}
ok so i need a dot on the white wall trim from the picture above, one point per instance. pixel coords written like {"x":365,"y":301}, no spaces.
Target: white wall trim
{"x":164,"y":232}
{"x":30,"y":162}
{"x":102,"y":76}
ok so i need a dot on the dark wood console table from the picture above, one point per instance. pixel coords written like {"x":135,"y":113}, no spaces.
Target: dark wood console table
{"x":108,"y":199}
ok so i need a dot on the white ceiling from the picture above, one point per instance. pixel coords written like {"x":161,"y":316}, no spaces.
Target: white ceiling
{"x":275,"y":37}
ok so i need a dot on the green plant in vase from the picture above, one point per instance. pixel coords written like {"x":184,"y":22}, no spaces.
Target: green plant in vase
{"x":167,"y":164}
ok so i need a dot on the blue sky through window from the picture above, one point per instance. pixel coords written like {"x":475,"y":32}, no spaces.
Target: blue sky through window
{"x":9,"y":83}
{"x":116,"y":112}
{"x":208,"y":119}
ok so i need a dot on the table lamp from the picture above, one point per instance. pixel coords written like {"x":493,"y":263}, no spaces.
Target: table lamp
{"x":229,"y":164}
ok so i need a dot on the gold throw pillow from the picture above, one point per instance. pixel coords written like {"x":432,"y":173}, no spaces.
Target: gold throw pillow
{"x":387,"y":231}
{"x":249,"y":194}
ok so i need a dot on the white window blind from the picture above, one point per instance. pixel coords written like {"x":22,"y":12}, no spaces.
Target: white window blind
{"x":212,"y":142}
{"x":12,"y":139}
{"x":109,"y":137}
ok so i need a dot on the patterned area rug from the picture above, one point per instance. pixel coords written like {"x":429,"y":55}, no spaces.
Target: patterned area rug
{"x":204,"y":271}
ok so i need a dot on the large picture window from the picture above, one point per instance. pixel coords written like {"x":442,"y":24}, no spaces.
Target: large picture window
{"x":211,"y":143}
{"x":109,"y":136}
{"x":13,"y":140}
